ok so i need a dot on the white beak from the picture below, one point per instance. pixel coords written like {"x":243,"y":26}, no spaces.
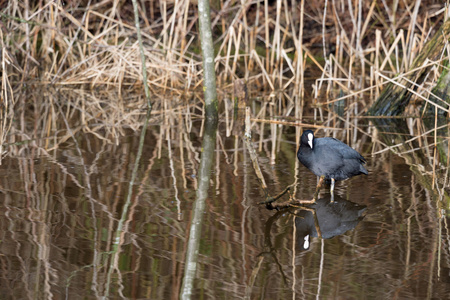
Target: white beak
{"x":310,"y":140}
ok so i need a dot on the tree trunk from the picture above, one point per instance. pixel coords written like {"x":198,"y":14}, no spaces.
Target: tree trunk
{"x":396,"y":96}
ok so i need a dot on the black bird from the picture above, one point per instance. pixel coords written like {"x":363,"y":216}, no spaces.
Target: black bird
{"x":330,"y":158}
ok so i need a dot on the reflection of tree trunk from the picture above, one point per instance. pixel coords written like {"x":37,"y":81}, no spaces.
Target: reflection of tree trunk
{"x":395,"y":97}
{"x":441,"y":133}
{"x":441,"y":91}
{"x":204,"y":175}
{"x":395,"y":133}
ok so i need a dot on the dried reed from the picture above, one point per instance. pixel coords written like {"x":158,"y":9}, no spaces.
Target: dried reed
{"x":272,"y":45}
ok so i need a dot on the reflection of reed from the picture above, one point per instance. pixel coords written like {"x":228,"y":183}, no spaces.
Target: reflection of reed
{"x":45,"y":201}
{"x":126,"y":216}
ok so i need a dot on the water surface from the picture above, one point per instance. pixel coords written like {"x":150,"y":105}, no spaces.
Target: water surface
{"x":60,"y":210}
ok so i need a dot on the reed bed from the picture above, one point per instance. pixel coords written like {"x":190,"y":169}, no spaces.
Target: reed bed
{"x":271,"y":44}
{"x":291,"y":54}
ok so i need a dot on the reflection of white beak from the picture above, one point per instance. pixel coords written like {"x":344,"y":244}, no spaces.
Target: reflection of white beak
{"x":306,"y":242}
{"x":310,"y":140}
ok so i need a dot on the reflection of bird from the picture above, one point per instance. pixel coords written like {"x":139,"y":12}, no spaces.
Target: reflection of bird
{"x":329,"y":157}
{"x":332,"y":219}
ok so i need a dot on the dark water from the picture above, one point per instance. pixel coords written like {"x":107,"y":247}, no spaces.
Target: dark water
{"x":386,"y":237}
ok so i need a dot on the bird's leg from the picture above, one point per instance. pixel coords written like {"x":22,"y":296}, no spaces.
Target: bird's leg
{"x":332,"y":189}
{"x":319,"y":185}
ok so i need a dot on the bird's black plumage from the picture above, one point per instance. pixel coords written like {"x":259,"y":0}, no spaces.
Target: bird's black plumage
{"x":329,"y":157}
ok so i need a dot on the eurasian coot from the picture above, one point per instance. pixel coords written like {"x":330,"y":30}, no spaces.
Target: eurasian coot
{"x":330,"y":158}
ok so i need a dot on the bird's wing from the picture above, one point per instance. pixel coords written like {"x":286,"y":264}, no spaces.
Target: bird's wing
{"x":344,"y":150}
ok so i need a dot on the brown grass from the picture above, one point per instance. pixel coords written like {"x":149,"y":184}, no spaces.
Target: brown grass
{"x":277,"y":47}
